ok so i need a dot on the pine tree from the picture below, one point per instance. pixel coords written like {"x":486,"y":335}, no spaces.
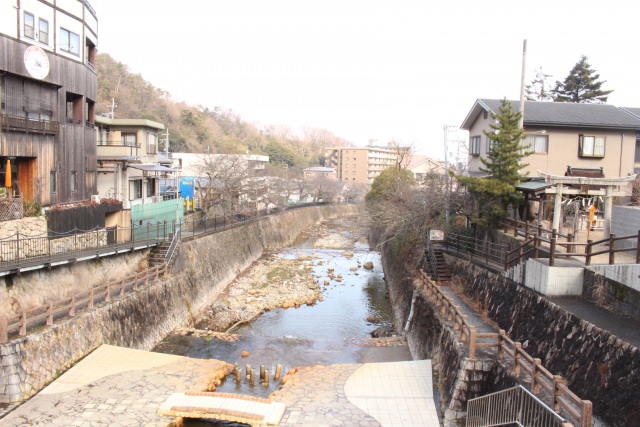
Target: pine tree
{"x":581,"y":86}
{"x":496,"y":192}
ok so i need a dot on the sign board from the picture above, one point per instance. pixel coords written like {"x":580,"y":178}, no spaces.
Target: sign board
{"x":436,"y":235}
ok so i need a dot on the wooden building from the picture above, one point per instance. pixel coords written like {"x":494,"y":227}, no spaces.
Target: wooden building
{"x":48,"y":89}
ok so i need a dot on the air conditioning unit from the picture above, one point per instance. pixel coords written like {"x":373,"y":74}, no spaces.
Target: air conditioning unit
{"x":95,"y":198}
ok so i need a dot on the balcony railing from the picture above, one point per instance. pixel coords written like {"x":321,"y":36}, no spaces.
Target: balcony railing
{"x":15,"y":123}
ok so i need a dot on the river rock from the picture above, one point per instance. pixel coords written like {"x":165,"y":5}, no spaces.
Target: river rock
{"x":368,"y":265}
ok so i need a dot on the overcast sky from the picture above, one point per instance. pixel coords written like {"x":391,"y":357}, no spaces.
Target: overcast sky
{"x":374,"y":69}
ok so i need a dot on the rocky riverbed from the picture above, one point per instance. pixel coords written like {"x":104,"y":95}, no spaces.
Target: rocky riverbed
{"x":278,"y":282}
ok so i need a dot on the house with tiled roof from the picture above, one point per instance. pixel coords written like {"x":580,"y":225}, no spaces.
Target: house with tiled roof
{"x":561,"y":135}
{"x":636,"y":113}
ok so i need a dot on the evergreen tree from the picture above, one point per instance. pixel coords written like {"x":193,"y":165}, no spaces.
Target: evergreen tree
{"x":495,"y":193}
{"x":581,"y":86}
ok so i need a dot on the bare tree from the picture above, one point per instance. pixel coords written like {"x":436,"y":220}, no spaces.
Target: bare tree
{"x":223,"y":182}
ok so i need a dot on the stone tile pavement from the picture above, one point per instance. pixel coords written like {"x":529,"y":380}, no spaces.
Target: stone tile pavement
{"x":116,"y":386}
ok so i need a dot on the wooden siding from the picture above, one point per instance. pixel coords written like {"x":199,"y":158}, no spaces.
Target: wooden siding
{"x":72,"y":148}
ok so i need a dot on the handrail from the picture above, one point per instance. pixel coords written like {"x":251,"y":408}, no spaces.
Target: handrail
{"x":515,"y":405}
{"x":46,"y":314}
{"x":563,"y":400}
{"x":173,"y":246}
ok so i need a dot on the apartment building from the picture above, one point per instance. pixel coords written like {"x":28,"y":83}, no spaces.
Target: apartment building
{"x":48,"y":87}
{"x":361,"y":164}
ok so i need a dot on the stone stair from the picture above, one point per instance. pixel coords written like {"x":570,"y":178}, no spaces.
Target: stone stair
{"x":158,"y":254}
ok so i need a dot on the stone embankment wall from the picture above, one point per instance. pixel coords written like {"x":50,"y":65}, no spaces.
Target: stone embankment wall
{"x":597,"y":365}
{"x":205,"y":266}
{"x":458,"y":377}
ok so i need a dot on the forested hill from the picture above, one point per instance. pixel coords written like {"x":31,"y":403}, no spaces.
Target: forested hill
{"x":199,"y":128}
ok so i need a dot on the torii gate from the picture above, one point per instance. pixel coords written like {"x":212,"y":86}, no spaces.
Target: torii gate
{"x":611,"y":189}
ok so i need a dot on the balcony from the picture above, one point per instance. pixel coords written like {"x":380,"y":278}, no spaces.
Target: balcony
{"x":23,"y":124}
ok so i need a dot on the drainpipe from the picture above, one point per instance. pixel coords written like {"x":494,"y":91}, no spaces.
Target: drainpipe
{"x":412,"y":311}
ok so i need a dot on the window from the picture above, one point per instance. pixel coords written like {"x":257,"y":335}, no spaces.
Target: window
{"x":152,"y":143}
{"x":474,"y":145}
{"x":537,"y":143}
{"x":136,"y":189}
{"x":128,"y":139}
{"x":69,"y":42}
{"x":43,"y":25}
{"x":490,"y":143}
{"x":74,"y":181}
{"x":29,"y":26}
{"x":53,"y":182}
{"x":591,"y":146}
{"x":151,"y":187}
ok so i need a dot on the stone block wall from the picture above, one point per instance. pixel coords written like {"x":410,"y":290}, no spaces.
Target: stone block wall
{"x":142,"y":319}
{"x":597,"y":365}
{"x":456,"y":378}
{"x":610,"y":293}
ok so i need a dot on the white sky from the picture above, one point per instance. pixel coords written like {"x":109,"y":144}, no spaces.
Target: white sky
{"x":367,"y":69}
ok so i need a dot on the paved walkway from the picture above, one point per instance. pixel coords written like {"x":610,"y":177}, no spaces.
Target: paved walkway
{"x":124,"y":387}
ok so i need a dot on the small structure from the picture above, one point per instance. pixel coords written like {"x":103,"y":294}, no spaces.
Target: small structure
{"x":573,"y":185}
{"x":231,"y":407}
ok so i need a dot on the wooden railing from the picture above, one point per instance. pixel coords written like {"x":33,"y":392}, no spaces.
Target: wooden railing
{"x":559,"y":245}
{"x":46,"y":314}
{"x":561,"y":398}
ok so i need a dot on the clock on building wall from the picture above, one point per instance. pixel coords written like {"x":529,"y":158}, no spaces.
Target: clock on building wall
{"x":37,"y":62}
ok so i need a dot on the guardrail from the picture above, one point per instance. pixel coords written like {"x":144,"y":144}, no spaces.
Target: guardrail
{"x":46,"y":314}
{"x":555,"y":388}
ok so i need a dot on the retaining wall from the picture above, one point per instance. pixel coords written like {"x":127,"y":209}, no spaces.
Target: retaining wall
{"x":457,"y":378}
{"x":597,"y":365}
{"x":205,"y":266}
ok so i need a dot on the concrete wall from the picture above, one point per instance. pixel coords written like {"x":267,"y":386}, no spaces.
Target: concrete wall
{"x":140,"y":320}
{"x":597,"y":365}
{"x":564,"y":278}
{"x":625,"y":221}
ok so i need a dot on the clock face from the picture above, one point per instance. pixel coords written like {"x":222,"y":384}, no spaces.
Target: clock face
{"x":37,"y":62}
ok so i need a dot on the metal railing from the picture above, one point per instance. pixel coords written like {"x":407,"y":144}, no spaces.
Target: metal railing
{"x":479,"y":248}
{"x":515,"y":405}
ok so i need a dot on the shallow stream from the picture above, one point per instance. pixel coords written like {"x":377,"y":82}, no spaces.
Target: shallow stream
{"x":328,"y":332}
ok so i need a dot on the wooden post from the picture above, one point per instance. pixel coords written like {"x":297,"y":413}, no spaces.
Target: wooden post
{"x":587,"y":412}
{"x":588,"y":248}
{"x":107,"y":294}
{"x":612,"y":247}
{"x":638,"y":248}
{"x":23,"y":324}
{"x":4,"y":329}
{"x":72,"y":306}
{"x":238,"y":373}
{"x":552,"y":248}
{"x":557,"y":380}
{"x":501,"y":340}
{"x":516,"y":359}
{"x":50,"y":314}
{"x":535,"y":385}
{"x":262,"y":370}
{"x":266,"y":378}
{"x":472,"y":342}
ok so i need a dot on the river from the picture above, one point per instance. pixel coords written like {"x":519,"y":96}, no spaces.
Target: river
{"x":354,"y":304}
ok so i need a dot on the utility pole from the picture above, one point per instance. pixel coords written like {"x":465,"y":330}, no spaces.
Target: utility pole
{"x":524,"y":61}
{"x":446,"y":174}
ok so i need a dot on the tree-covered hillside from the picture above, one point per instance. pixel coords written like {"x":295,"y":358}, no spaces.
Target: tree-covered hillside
{"x":200,"y":128}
